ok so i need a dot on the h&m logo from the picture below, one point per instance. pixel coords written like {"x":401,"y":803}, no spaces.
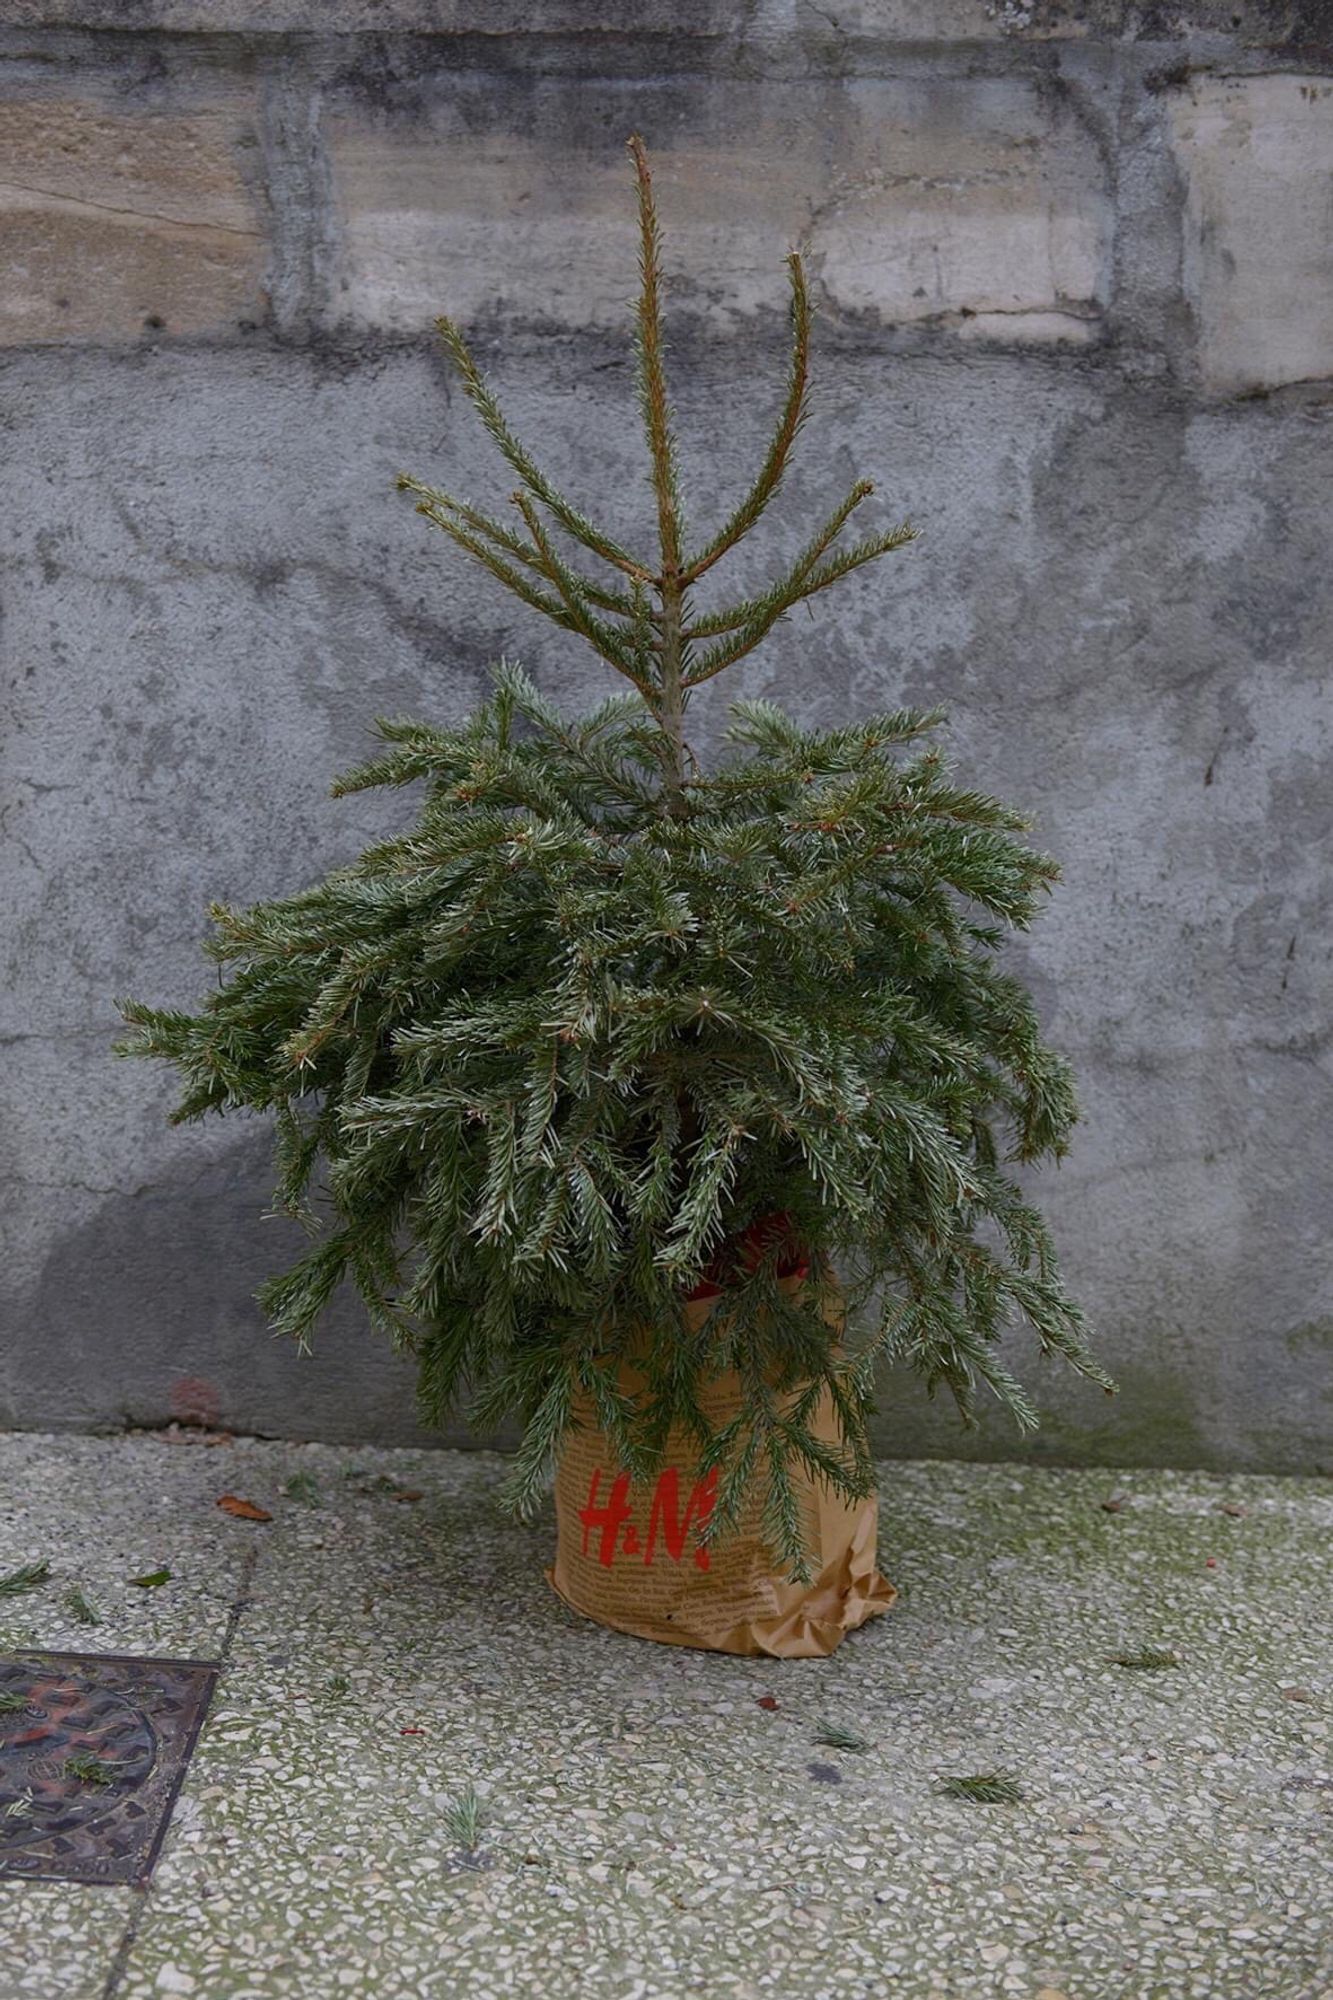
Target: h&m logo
{"x":665,"y":1518}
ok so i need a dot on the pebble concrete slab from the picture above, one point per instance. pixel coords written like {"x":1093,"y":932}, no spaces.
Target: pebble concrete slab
{"x":655,"y":1823}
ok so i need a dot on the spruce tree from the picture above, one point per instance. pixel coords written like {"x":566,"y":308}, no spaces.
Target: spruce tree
{"x":604,"y":1028}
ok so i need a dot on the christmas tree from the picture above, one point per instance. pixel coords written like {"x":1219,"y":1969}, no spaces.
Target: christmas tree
{"x":606,"y":1030}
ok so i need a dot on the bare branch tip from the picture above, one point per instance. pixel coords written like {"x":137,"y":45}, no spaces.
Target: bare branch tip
{"x":638,"y":152}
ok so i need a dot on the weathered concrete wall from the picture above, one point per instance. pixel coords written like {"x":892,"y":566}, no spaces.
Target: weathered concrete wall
{"x":1076,"y":289}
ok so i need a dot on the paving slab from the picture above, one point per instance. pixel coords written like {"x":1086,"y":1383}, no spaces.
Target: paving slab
{"x":658,"y":1822}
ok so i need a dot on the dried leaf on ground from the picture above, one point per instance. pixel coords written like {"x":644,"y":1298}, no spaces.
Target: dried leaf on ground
{"x":242,"y":1510}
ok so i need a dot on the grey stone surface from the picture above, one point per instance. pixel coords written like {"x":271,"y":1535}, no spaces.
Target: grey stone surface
{"x":648,"y":1830}
{"x":209,"y":587}
{"x":1269,"y":23}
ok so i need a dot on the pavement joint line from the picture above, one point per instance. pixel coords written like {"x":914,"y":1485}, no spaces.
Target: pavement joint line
{"x":129,"y":1937}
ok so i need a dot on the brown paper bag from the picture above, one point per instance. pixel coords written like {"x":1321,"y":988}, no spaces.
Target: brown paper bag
{"x":630,"y":1557}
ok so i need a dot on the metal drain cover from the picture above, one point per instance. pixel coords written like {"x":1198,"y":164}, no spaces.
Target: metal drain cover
{"x":93,"y":1747}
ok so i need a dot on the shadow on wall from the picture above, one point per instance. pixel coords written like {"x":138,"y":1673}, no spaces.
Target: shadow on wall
{"x":146,"y":1314}
{"x":1153,"y":1420}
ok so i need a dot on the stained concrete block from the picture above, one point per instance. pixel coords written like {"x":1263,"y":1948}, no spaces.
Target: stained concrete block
{"x":930,"y":200}
{"x":1257,"y":156}
{"x":116,"y":218}
{"x":507,"y":18}
{"x":840,"y":23}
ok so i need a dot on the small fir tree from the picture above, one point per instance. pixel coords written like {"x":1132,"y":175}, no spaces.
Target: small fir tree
{"x":605,"y":1030}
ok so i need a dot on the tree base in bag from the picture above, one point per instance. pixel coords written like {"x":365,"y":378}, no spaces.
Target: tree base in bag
{"x":630,"y":1556}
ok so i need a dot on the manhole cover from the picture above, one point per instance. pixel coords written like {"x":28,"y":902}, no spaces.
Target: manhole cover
{"x":93,"y":1747}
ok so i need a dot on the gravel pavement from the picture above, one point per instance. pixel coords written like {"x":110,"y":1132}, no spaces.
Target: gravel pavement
{"x":656,"y":1822}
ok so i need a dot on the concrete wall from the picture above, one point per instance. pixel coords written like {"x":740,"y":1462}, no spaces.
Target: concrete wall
{"x":1076,"y":287}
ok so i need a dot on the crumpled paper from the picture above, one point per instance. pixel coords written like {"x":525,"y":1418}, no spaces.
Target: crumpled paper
{"x":630,"y":1556}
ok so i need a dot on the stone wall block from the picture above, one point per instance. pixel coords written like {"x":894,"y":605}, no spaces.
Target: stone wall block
{"x":916,"y":200}
{"x":1257,"y":156}
{"x":116,"y":219}
{"x":845,"y":22}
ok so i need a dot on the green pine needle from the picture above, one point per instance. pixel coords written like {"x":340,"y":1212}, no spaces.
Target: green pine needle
{"x":337,"y":1684}
{"x":838,"y":1737}
{"x":302,"y":1487}
{"x":10,"y":1702}
{"x":90,"y":1770}
{"x":985,"y":1788}
{"x":463,"y":1818}
{"x":81,"y":1607}
{"x":30,"y":1576}
{"x":1150,"y":1660}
